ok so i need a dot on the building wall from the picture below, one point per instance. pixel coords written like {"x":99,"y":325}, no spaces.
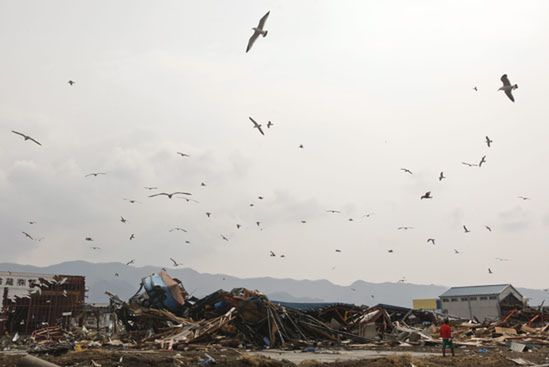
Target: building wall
{"x":455,"y":307}
{"x":484,"y":307}
{"x":425,"y":304}
{"x":481,"y":307}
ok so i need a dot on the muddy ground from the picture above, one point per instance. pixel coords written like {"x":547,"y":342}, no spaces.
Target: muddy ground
{"x":237,"y":358}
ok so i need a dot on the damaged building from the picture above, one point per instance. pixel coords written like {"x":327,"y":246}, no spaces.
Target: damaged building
{"x":30,"y":301}
{"x":484,"y":302}
{"x":97,"y":316}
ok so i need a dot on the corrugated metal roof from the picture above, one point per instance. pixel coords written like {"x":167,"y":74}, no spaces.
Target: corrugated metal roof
{"x":477,"y":290}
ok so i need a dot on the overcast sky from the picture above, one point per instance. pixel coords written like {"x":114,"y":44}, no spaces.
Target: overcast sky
{"x":368,"y":87}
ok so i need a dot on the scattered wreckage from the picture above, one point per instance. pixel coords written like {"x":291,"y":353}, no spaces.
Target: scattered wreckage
{"x":163,"y":315}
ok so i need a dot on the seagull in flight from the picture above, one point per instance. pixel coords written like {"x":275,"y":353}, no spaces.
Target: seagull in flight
{"x":71,"y":82}
{"x":177,"y":229}
{"x":95,"y":174}
{"x":475,"y":89}
{"x":456,"y":251}
{"x":441,"y":176}
{"x":132,"y":236}
{"x":257,"y":126}
{"x":272,"y":254}
{"x":490,"y":271}
{"x":188,"y":200}
{"x":405,"y":228}
{"x":337,"y":250}
{"x":432,"y":240}
{"x":406,"y":170}
{"x":469,"y":164}
{"x":26,"y":137}
{"x":301,"y":146}
{"x":175,"y":263}
{"x":31,"y":222}
{"x":258,"y":31}
{"x":208,"y":214}
{"x":488,"y":141}
{"x":28,"y":235}
{"x":132,"y":201}
{"x":333,"y":211}
{"x":224,"y":237}
{"x":303,"y":221}
{"x":507,"y":87}
{"x":482,"y":161}
{"x":170,"y":195}
{"x":88,"y":239}
{"x":269,"y":124}
{"x":488,"y":228}
{"x":238,"y":226}
{"x":523,"y":197}
{"x":390,"y":251}
{"x":132,"y":261}
{"x":123,"y":220}
{"x":427,"y":195}
{"x":466,"y":229}
{"x":150,"y":188}
{"x":183,"y":154}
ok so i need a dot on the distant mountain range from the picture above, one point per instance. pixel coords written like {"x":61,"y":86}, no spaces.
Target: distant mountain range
{"x":100,"y":278}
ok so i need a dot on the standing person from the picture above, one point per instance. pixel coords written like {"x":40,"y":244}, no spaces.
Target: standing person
{"x":446,"y":335}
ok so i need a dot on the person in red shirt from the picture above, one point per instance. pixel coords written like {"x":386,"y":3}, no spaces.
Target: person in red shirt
{"x":446,"y":335}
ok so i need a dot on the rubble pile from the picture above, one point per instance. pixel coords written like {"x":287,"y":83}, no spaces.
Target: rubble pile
{"x":162,"y":315}
{"x":240,"y":317}
{"x":246,"y":318}
{"x":51,"y":340}
{"x":527,"y":325}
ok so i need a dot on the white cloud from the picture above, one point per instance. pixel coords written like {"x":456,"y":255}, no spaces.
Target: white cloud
{"x":367,"y":89}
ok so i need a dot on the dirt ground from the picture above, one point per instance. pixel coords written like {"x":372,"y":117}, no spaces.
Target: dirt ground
{"x":237,"y":358}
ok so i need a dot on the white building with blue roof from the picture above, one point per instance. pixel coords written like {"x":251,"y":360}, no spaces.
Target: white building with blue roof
{"x":483,"y":302}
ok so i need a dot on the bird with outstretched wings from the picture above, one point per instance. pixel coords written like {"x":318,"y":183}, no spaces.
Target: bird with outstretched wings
{"x":26,"y":137}
{"x":258,"y":31}
{"x":257,"y":126}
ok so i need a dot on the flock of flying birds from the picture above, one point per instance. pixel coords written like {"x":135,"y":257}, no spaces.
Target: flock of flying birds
{"x":260,"y":30}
